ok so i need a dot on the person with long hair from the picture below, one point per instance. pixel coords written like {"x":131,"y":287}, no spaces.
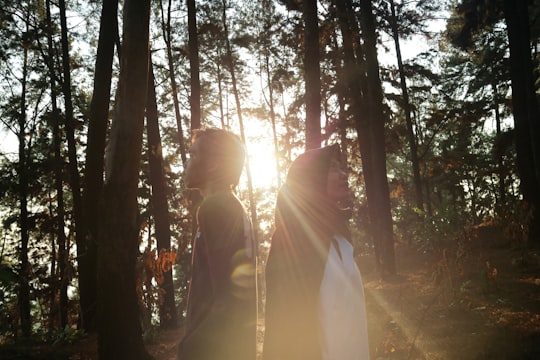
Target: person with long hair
{"x":315,"y":306}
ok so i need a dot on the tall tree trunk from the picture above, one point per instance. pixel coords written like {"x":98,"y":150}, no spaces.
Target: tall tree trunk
{"x":160,"y":207}
{"x":312,"y":74}
{"x":95,"y":151}
{"x":413,"y":147}
{"x":272,"y":116}
{"x":382,"y":220}
{"x":24,"y":272}
{"x":267,"y":25}
{"x":166,"y":28}
{"x":62,"y":282}
{"x":53,"y":311}
{"x":230,"y":63}
{"x":501,"y":198}
{"x":120,"y":334}
{"x":525,"y":110}
{"x":195,"y":83}
{"x":356,"y":81}
{"x":220,"y":93}
{"x":341,"y":93}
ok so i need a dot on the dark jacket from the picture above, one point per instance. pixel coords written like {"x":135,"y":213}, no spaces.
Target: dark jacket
{"x":222,"y":304}
{"x":305,"y":224}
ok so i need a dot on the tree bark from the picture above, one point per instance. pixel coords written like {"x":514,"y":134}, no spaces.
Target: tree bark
{"x":166,"y":26}
{"x":120,"y":334}
{"x":382,"y":225}
{"x":268,"y":18}
{"x":24,"y":271}
{"x":59,"y":283}
{"x":195,"y":83}
{"x":525,"y":110}
{"x":230,"y":63}
{"x":160,"y":207}
{"x":312,"y":74}
{"x":411,"y":137}
{"x":73,"y":167}
{"x":93,"y":172}
{"x":362,"y":79}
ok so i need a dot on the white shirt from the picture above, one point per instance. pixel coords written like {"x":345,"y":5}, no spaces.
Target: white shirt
{"x":342,"y":308}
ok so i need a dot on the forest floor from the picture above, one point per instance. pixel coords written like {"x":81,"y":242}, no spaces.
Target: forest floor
{"x":475,"y":299}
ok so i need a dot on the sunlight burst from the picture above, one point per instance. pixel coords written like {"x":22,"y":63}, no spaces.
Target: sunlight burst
{"x":262,"y":162}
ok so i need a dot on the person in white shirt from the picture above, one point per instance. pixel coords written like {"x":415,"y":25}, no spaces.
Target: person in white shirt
{"x":315,"y":306}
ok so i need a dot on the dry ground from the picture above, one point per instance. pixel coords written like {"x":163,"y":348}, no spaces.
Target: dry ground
{"x":477,"y":299}
{"x":471,"y":300}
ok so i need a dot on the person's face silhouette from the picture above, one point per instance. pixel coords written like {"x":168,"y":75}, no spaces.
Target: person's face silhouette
{"x":196,"y":172}
{"x":337,"y":188}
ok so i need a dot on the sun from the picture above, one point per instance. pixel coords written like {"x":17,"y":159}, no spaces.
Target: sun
{"x":261,"y":157}
{"x":262,"y":162}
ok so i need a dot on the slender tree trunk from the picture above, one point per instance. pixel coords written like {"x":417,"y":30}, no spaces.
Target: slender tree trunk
{"x":53,"y":310}
{"x":195,"y":83}
{"x":24,"y":272}
{"x":120,"y":334}
{"x":413,"y":147}
{"x":269,"y":11}
{"x":312,"y":74}
{"x":220,"y":92}
{"x":525,"y":110}
{"x":80,"y":224}
{"x":355,"y":80}
{"x":95,"y":151}
{"x":272,"y":117}
{"x":341,"y":94}
{"x":194,"y":196}
{"x":500,"y":163}
{"x":59,"y":283}
{"x":160,"y":207}
{"x":166,"y":27}
{"x":230,"y":63}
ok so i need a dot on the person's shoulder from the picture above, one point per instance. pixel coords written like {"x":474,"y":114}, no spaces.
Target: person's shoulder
{"x":221,"y":201}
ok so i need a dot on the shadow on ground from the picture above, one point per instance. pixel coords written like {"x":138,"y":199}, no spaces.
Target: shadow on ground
{"x":473,"y":300}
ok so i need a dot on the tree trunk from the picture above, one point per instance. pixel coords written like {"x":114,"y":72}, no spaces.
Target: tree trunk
{"x":312,"y":74}
{"x":95,"y":150}
{"x":230,"y":63}
{"x":75,"y":183}
{"x":501,"y":198}
{"x":525,"y":110}
{"x":195,"y":83}
{"x":381,"y":221}
{"x":272,"y":117}
{"x":59,"y":282}
{"x":160,"y":207}
{"x":413,"y":147}
{"x":166,"y":27}
{"x":361,"y":72}
{"x":268,"y":11}
{"x":53,"y":311}
{"x":120,"y":334}
{"x":24,"y":271}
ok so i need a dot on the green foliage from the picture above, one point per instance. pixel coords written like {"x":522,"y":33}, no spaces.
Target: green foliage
{"x":69,"y":335}
{"x":427,"y":232}
{"x":8,"y":311}
{"x":8,"y":277}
